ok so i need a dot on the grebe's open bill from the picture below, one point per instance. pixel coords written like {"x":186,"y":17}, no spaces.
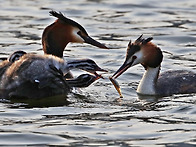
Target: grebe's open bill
{"x":124,"y":67}
{"x":121,"y":70}
{"x":83,"y":80}
{"x":91,"y":41}
{"x":94,"y":71}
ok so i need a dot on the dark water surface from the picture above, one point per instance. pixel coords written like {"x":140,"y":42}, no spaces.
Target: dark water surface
{"x":95,"y":117}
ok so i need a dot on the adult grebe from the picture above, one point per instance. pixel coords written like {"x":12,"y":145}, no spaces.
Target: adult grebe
{"x":64,"y":30}
{"x":150,"y":56}
{"x":57,"y":35}
{"x":36,"y":76}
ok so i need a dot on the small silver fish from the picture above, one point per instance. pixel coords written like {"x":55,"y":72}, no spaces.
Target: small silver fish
{"x":116,"y":85}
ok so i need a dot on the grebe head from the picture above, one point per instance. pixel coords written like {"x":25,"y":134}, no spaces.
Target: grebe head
{"x":141,"y":51}
{"x":64,"y":30}
{"x":86,"y":65}
{"x":16,"y":56}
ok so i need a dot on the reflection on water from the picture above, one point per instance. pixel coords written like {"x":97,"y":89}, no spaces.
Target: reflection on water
{"x":96,"y":116}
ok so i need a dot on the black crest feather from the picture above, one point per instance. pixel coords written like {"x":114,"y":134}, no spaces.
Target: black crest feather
{"x":142,"y":40}
{"x":60,"y":16}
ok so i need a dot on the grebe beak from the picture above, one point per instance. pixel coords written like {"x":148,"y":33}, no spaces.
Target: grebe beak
{"x":83,"y":80}
{"x":89,"y":40}
{"x":100,"y":69}
{"x":98,"y":76}
{"x":121,"y":70}
{"x":126,"y":65}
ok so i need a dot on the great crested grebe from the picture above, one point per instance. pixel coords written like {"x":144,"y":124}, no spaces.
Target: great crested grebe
{"x":36,"y":76}
{"x":64,"y":30}
{"x":146,"y":53}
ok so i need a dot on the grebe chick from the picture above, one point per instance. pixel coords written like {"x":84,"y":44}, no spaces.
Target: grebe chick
{"x":16,"y":56}
{"x":64,"y":30}
{"x":146,"y":53}
{"x":11,"y":59}
{"x":36,"y":76}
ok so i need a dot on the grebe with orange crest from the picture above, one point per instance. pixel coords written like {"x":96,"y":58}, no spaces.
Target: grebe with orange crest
{"x":150,"y":56}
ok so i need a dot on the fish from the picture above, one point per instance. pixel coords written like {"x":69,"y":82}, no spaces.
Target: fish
{"x":116,"y":85}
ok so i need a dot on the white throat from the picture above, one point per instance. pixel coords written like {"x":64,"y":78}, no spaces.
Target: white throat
{"x":147,"y":84}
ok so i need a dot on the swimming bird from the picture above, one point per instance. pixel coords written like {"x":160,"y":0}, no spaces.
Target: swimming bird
{"x":64,"y":30}
{"x":150,"y":56}
{"x":36,"y":76}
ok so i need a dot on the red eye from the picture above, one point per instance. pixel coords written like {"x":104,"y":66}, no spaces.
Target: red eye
{"x":134,"y":57}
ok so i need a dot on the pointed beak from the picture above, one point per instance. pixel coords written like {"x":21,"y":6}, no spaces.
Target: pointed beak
{"x":91,"y":41}
{"x":122,"y":69}
{"x":96,"y":74}
{"x":100,"y":69}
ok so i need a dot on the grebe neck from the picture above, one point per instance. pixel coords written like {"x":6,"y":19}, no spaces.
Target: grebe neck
{"x":54,"y":40}
{"x":54,"y":49}
{"x":147,"y":85}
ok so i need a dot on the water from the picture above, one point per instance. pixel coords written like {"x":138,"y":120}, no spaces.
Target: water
{"x":96,"y":117}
